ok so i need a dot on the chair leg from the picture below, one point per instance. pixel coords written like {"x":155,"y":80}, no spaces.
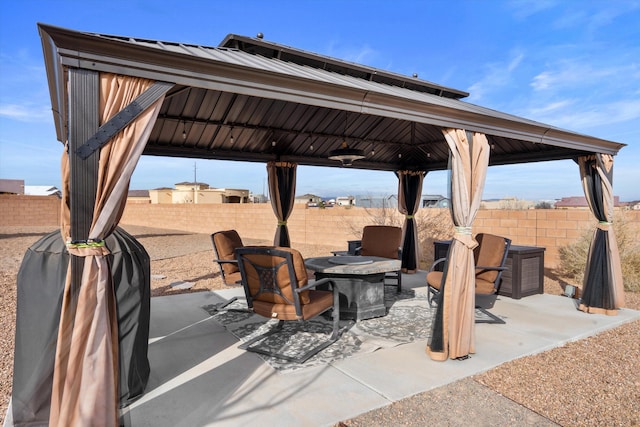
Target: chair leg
{"x":273,"y":330}
{"x":431,"y":295}
{"x":398,"y":278}
{"x":335,"y":335}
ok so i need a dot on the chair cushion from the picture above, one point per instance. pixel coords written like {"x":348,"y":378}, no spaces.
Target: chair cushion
{"x":381,"y":240}
{"x":226,"y":243}
{"x":484,"y":287}
{"x":283,"y":279}
{"x":233,"y":278}
{"x":489,"y":254}
{"x":434,"y":279}
{"x":319,"y":301}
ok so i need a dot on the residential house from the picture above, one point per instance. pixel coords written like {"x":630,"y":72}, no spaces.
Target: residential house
{"x":198,"y":192}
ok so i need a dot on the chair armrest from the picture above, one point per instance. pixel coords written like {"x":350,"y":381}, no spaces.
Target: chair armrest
{"x":481,"y":267}
{"x":226,"y":261}
{"x":436,"y":262}
{"x":316,"y":283}
{"x":357,"y":250}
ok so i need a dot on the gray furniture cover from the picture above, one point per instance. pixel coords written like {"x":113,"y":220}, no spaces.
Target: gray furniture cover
{"x":40,"y":286}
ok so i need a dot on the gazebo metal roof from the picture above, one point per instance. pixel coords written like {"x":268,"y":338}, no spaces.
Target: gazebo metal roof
{"x":253,"y":100}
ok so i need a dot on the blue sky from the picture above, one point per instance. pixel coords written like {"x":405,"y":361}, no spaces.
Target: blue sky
{"x":574,"y":64}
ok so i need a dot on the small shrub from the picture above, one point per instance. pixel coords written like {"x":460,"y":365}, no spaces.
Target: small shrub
{"x":573,"y":257}
{"x":433,"y":225}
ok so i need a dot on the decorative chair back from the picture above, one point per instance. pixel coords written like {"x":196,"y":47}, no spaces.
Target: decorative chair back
{"x":272,"y":275}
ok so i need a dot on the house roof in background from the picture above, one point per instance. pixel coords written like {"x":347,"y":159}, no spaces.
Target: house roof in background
{"x":138,"y":193}
{"x":12,"y":186}
{"x":579,"y":202}
{"x":41,"y":190}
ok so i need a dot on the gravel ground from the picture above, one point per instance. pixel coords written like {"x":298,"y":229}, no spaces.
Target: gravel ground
{"x":554,"y":387}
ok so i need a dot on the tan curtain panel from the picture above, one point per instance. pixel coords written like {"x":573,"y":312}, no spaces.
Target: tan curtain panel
{"x":602,"y":288}
{"x":409,"y":196}
{"x":453,"y":334}
{"x":282,"y":191}
{"x":85,"y":382}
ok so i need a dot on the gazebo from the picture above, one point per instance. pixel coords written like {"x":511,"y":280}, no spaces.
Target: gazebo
{"x":116,"y":98}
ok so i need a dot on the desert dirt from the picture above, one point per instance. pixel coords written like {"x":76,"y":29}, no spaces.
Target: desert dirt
{"x":590,"y":382}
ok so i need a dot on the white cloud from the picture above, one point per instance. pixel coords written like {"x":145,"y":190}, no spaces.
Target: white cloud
{"x":570,"y":115}
{"x":574,"y":73}
{"x":358,"y":54}
{"x":594,"y":18}
{"x":497,"y":75}
{"x":26,"y":113}
{"x":522,"y":9}
{"x":551,"y":108}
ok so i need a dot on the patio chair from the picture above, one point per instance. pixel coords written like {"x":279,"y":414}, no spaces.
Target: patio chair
{"x":490,"y":257}
{"x":383,"y":241}
{"x":276,"y":287}
{"x":224,"y":245}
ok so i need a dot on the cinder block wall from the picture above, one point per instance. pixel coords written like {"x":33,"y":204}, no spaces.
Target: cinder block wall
{"x":549,"y":228}
{"x":257,"y":221}
{"x":29,"y":210}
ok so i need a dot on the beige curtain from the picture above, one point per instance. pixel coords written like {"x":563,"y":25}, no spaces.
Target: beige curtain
{"x":454,"y":331}
{"x":85,"y":381}
{"x":603,"y":289}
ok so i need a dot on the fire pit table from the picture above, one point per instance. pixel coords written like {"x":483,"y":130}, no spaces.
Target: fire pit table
{"x":360,"y":282}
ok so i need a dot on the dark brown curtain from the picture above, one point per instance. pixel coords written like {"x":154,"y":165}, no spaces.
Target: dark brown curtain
{"x":85,"y":378}
{"x":453,"y":333}
{"x":602,"y":288}
{"x":282,"y":192}
{"x":409,"y":194}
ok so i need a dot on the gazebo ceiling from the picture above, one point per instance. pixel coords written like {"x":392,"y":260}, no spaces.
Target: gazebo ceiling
{"x":252,"y":100}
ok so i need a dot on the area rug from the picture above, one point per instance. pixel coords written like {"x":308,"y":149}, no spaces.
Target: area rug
{"x":408,"y":319}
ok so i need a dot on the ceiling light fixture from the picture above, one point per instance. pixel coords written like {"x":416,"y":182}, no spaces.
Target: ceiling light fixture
{"x":346,"y":155}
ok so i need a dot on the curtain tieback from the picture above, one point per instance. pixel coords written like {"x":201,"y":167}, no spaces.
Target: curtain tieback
{"x":83,"y":248}
{"x":463,"y":235}
{"x":463,"y":230}
{"x":604,"y":225}
{"x":409,"y":216}
{"x":282,"y":223}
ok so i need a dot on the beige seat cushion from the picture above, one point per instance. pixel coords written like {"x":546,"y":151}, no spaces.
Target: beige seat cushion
{"x":319,"y":301}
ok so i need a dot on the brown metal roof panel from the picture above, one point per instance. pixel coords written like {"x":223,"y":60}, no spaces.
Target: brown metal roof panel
{"x":274,"y":50}
{"x":313,"y":88}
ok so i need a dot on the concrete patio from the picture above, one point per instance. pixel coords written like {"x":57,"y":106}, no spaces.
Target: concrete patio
{"x":199,"y":376}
